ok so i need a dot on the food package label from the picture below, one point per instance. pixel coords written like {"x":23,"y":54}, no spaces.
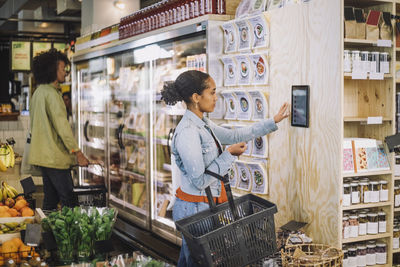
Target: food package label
{"x":260,"y":31}
{"x":260,"y":105}
{"x":259,"y":178}
{"x":243,"y":30}
{"x":260,"y":67}
{"x":244,"y":176}
{"x":230,"y":37}
{"x":245,"y":108}
{"x":230,"y":72}
{"x":260,"y":147}
{"x":230,"y":104}
{"x":244,"y":70}
{"x":348,"y":161}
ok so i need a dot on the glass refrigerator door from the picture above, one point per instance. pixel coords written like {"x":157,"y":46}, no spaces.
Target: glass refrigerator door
{"x":129,"y":109}
{"x":92,"y":91}
{"x":172,"y":59}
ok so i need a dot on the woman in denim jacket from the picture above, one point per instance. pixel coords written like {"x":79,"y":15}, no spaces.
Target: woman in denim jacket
{"x":196,"y":145}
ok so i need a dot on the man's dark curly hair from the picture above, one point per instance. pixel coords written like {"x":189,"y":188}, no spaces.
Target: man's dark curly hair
{"x":45,"y":65}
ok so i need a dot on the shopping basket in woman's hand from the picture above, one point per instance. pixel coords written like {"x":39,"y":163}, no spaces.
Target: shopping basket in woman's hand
{"x":236,"y":233}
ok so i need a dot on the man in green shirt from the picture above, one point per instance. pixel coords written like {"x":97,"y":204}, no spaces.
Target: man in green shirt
{"x":53,"y":146}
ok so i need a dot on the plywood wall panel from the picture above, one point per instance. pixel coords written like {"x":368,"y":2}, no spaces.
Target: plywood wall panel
{"x":305,"y":163}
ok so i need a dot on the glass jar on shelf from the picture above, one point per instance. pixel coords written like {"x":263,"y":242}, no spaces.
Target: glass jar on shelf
{"x":383,"y":191}
{"x":381,"y":253}
{"x":364,"y":192}
{"x":346,"y":195}
{"x":355,"y":193}
{"x":346,"y":61}
{"x":397,"y":196}
{"x":361,"y":255}
{"x":362,"y":221}
{"x":374,"y":192}
{"x":345,"y":227}
{"x":372,"y":225}
{"x":352,"y":259}
{"x":382,"y":222}
{"x":371,"y":253}
{"x":396,"y":238}
{"x":353,"y":222}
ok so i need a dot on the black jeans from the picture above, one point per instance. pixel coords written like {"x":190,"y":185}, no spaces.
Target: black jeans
{"x":58,"y":187}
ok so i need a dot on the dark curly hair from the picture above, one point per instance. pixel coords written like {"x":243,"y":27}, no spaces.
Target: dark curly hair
{"x":187,"y":83}
{"x":44,"y":66}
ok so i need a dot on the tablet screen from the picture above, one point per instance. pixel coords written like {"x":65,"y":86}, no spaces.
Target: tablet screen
{"x":300,"y":105}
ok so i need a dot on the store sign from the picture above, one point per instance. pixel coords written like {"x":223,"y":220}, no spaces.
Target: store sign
{"x":20,"y":56}
{"x":39,"y":47}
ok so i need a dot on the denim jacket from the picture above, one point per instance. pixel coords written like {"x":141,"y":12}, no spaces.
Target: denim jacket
{"x":195,"y":150}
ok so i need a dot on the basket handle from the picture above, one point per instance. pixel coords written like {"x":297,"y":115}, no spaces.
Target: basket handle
{"x":227,"y":185}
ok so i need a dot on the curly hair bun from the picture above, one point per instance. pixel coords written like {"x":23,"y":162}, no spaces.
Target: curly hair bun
{"x":169,"y":94}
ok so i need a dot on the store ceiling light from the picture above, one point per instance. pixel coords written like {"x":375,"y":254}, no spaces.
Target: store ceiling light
{"x":119,"y":4}
{"x":44,"y":25}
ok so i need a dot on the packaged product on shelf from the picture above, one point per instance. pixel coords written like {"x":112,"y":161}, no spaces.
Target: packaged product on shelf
{"x":230,"y":71}
{"x":382,"y":222}
{"x":345,"y":257}
{"x":360,"y":23}
{"x":243,"y":29}
{"x":355,"y":193}
{"x":365,"y":64}
{"x":364,"y":192}
{"x":354,"y":224}
{"x":261,"y":69}
{"x":230,"y":37}
{"x":349,"y":22}
{"x":384,"y":62}
{"x":259,"y":177}
{"x":244,"y":69}
{"x":396,"y":238}
{"x":346,"y":61}
{"x":219,"y":110}
{"x":375,"y":64}
{"x":346,"y":198}
{"x":245,"y":105}
{"x":383,"y":163}
{"x":372,"y":226}
{"x":348,"y":160}
{"x":363,"y":221}
{"x":137,"y":192}
{"x":381,"y":253}
{"x":361,"y":255}
{"x":259,"y":104}
{"x":374,"y":192}
{"x":352,"y":256}
{"x":260,"y":147}
{"x":366,"y":155}
{"x":356,"y":61}
{"x":397,"y":196}
{"x":231,"y":105}
{"x":345,"y":227}
{"x":244,"y":181}
{"x":233,"y":175}
{"x":385,"y":29}
{"x":260,"y":31}
{"x":372,"y":29}
{"x":383,"y":191}
{"x":371,"y":253}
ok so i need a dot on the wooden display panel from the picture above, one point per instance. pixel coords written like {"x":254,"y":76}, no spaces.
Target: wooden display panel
{"x":305,"y":163}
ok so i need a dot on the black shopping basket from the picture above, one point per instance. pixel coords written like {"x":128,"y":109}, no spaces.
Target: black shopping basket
{"x":235,"y":233}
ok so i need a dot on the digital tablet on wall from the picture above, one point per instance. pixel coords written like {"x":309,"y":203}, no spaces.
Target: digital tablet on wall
{"x":300,"y":106}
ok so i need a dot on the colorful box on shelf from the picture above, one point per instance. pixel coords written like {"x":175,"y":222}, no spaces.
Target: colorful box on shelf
{"x":364,"y":155}
{"x":101,"y":37}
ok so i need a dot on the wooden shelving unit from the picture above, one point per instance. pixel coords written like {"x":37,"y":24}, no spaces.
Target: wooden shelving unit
{"x":365,"y":98}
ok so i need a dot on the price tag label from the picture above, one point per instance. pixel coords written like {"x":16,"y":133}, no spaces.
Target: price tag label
{"x":359,"y":75}
{"x":374,"y":120}
{"x":384,"y":43}
{"x":376,"y":76}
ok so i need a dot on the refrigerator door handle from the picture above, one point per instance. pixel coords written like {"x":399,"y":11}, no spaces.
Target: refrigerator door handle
{"x":85,"y":131}
{"x":119,"y":136}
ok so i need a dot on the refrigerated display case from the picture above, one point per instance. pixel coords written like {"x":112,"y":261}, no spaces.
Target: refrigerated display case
{"x":135,"y":126}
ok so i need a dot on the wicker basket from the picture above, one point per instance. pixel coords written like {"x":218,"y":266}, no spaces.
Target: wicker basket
{"x":307,"y":255}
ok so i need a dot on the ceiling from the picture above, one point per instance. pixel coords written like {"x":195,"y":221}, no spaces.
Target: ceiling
{"x":50,"y":25}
